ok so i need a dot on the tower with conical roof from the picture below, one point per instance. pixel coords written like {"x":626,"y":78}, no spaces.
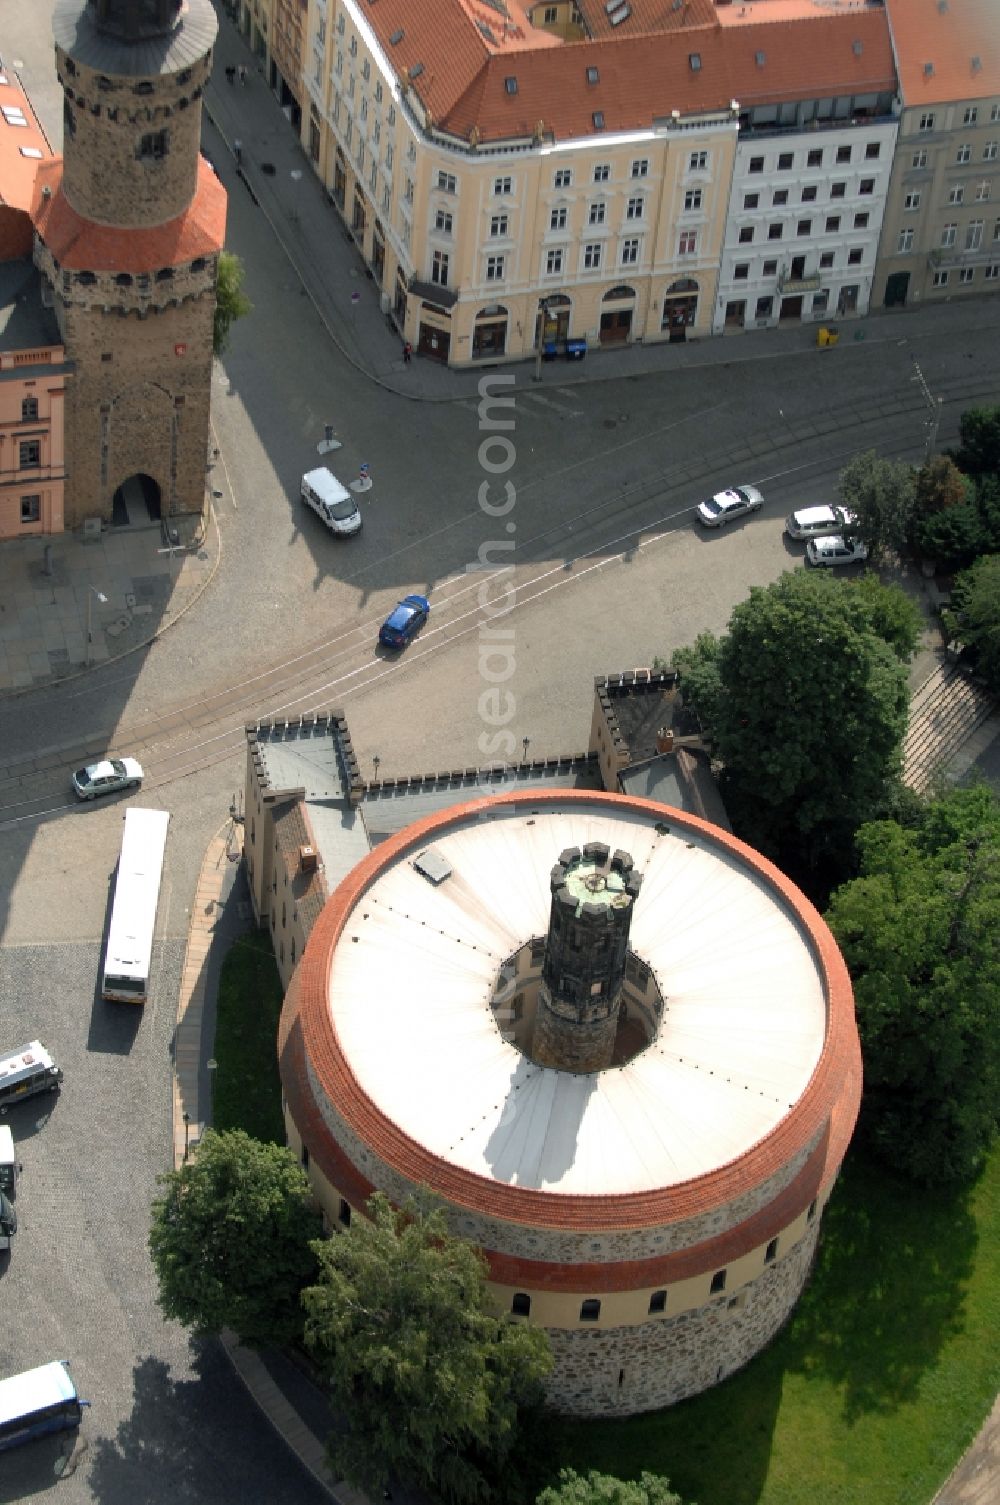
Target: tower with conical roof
{"x":129,"y":225}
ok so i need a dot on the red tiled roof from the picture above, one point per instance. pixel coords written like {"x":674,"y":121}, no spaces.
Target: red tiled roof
{"x":17,"y":172}
{"x":83,"y":245}
{"x":951,"y":37}
{"x":646,"y":16}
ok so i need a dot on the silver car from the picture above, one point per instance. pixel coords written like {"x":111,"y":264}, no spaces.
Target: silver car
{"x":834,"y":550}
{"x":107,"y":777}
{"x":727,"y":505}
{"x":817,"y":522}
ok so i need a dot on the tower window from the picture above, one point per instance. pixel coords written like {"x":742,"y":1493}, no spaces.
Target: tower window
{"x":771,"y":1252}
{"x":718,"y":1282}
{"x":521,"y":1304}
{"x":143,"y":87}
{"x":153,"y":146}
{"x":658,"y":1302}
{"x":165,"y":274}
{"x":344,"y":1214}
{"x":590,"y":1310}
{"x":124,"y":279}
{"x":198,"y":265}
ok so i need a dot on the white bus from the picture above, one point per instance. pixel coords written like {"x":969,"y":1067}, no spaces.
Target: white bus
{"x":133,"y":914}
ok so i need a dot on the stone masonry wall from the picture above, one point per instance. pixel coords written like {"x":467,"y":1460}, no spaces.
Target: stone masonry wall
{"x":622,"y":1370}
{"x":107,"y":175}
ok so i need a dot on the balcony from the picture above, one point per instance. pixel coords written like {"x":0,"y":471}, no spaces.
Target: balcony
{"x":946,"y":257}
{"x":811,"y":127}
{"x":789,"y":284}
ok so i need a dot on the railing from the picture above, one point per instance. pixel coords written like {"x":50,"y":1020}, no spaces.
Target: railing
{"x":812,"y":127}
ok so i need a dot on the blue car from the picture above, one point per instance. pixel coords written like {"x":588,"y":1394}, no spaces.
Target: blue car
{"x":404,"y":621}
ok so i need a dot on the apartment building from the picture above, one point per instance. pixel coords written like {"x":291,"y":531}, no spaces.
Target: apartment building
{"x":941,"y":231}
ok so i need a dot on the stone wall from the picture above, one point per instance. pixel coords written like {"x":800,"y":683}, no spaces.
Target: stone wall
{"x":604,"y":1371}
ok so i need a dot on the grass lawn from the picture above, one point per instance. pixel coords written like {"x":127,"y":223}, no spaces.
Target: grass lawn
{"x":871,"y":1393}
{"x":246,"y":1088}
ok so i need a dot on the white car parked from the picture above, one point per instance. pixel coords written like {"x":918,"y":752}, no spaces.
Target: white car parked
{"x":107,"y":777}
{"x":834,"y":550}
{"x":727,"y":505}
{"x":817,"y":522}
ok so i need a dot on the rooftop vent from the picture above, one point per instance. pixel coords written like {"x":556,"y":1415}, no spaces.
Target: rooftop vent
{"x":619,"y":14}
{"x":598,"y":119}
{"x":694,"y":59}
{"x":760,"y":58}
{"x":857,"y":47}
{"x":592,"y":75}
{"x":928,"y":70}
{"x":510,"y":84}
{"x":307,"y":859}
{"x":397,"y":37}
{"x":432,"y":866}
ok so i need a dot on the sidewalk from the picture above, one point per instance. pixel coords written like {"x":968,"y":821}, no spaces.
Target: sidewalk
{"x":278,"y":176}
{"x":126,"y":587}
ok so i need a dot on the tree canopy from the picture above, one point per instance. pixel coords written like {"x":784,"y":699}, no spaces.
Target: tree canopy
{"x":974,"y":615}
{"x":230,"y":1239}
{"x":806,"y":703}
{"x":231,"y":302}
{"x":603,"y":1489}
{"x":920,"y":933}
{"x":428,"y":1379}
{"x":882,"y":495}
{"x":978,"y":453}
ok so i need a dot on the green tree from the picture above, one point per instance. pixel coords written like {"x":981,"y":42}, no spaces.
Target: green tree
{"x":952,"y":538}
{"x":810,"y":711}
{"x":231,"y":1239}
{"x":978,"y":453}
{"x":974,"y":615}
{"x":920,"y":934}
{"x":882,"y":495}
{"x":603,"y":1489}
{"x":698,"y":667}
{"x":428,"y":1379}
{"x":231,"y":302}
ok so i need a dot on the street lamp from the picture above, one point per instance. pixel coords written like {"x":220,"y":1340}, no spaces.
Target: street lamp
{"x":543,"y":308}
{"x":91,"y":592}
{"x":187,"y":1130}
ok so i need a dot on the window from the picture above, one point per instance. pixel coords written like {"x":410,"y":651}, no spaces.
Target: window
{"x":602,"y":172}
{"x":751,"y":200}
{"x":31,"y":508}
{"x":971,"y":115}
{"x":833,"y":224}
{"x":746,"y":235}
{"x":29,"y":454}
{"x":597,"y":213}
{"x":770,"y":1252}
{"x":640,"y":167}
{"x":995,"y":112}
{"x":873,"y":151}
{"x":29,"y":406}
{"x":940,"y":279}
{"x":948,"y":235}
{"x":905,"y":242}
{"x":344,"y":1214}
{"x":804,"y":227}
{"x":494,"y":268}
{"x":956,"y":195}
{"x":378,"y":92}
{"x":926,"y":123}
{"x":826,"y":260}
{"x":354,"y":47}
{"x":563,"y":178}
{"x":855,"y":256}
{"x":911,"y":201}
{"x":966,"y":274}
{"x":814,"y":158}
{"x":983,"y":191}
{"x":590,"y":1310}
{"x":634,"y":208}
{"x":992,"y":273}
{"x":785,"y":161}
{"x":775,"y":231}
{"x":866,"y":187}
{"x":698,"y":161}
{"x":770,"y":269}
{"x":592,"y":257}
{"x":718,"y":1282}
{"x":364,"y":109}
{"x":809,"y":194}
{"x":843,"y":154}
{"x":658,"y":1302}
{"x":779,"y":197}
{"x":366,"y":69}
{"x":439,"y":268}
{"x":741,"y":271}
{"x":153,"y":146}
{"x":446,"y":182}
{"x":692,"y":199}
{"x":838,"y":190}
{"x":442,"y":222}
{"x":501,"y":186}
{"x":919,"y":159}
{"x":996,"y":229}
{"x":990,"y":151}
{"x":756,"y":164}
{"x":765,"y":307}
{"x":557,"y":219}
{"x":550,"y":14}
{"x":630,"y":252}
{"x":812,"y":1211}
{"x":861,"y":221}
{"x":974,"y":235}
{"x":553,"y":262}
{"x":498,"y":225}
{"x":521,"y":1304}
{"x":688,"y":243}
{"x":964,"y":153}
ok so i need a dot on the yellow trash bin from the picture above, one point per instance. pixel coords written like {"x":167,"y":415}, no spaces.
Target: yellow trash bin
{"x":827,"y":334}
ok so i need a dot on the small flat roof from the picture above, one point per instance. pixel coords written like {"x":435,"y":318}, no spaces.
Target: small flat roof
{"x":412,"y":976}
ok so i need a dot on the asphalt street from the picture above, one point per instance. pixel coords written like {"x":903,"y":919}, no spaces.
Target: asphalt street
{"x":610,"y":572}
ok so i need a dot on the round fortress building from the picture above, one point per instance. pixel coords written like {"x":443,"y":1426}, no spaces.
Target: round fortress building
{"x":620,"y":1048}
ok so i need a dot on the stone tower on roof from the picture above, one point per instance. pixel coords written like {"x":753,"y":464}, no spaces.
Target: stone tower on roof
{"x":129,"y":226}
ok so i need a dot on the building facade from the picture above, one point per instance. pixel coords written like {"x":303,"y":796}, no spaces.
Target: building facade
{"x":128,"y":229}
{"x":941,"y":235}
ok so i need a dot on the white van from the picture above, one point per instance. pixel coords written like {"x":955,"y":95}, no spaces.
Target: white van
{"x":333,"y":503}
{"x":8,"y":1165}
{"x":25,"y":1071}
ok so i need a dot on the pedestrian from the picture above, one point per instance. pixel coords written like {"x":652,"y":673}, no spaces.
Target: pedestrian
{"x":407,"y":352}
{"x":238,"y":151}
{"x":243,"y":74}
{"x":231,"y":74}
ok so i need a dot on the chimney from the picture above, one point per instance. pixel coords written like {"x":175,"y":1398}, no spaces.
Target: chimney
{"x":307,"y":859}
{"x":664,"y":740}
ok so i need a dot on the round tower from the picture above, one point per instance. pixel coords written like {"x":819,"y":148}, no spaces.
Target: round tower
{"x":129,"y":226}
{"x":584,"y":968}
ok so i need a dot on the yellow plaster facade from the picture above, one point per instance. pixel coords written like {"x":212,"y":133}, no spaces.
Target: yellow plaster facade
{"x":32,"y":442}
